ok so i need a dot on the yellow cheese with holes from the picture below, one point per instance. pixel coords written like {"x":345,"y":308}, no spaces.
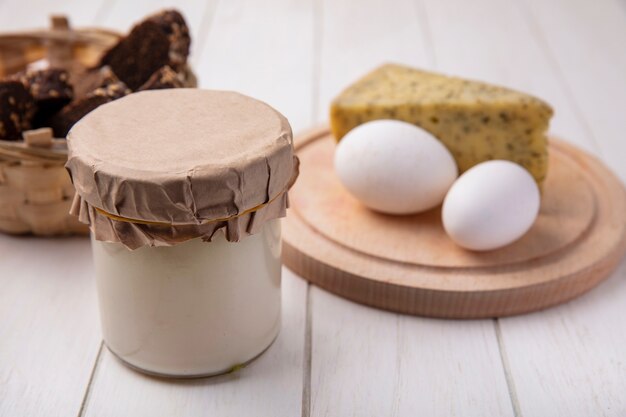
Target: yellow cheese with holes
{"x":475,"y":121}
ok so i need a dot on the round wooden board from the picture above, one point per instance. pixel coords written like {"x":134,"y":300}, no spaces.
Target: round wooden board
{"x":407,"y":264}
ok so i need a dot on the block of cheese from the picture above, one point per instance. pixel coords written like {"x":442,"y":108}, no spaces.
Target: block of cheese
{"x":475,"y":121}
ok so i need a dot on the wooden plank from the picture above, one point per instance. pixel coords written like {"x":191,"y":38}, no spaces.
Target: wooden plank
{"x":256,"y":50}
{"x":250,"y":48}
{"x":564,"y":361}
{"x":49,"y":331}
{"x":364,"y":361}
{"x":570,"y":361}
{"x":269,"y":386}
{"x":371,"y":363}
{"x":575,"y":355}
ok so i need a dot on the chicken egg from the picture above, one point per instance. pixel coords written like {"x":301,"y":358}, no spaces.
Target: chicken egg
{"x":394,"y":167}
{"x":491,"y":205}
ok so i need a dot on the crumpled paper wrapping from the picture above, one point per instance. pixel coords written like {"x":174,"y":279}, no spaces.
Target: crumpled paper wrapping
{"x":172,"y":165}
{"x":135,"y":235}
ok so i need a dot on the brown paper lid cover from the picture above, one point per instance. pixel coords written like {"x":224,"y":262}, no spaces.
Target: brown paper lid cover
{"x":181,"y":156}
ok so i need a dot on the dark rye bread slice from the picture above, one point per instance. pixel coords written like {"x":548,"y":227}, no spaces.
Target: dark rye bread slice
{"x":139,"y":55}
{"x":174,"y":25}
{"x":62,"y":122}
{"x":165,"y":77}
{"x":51,"y":90}
{"x":17,"y":108}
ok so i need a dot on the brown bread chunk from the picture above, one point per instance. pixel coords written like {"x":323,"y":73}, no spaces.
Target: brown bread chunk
{"x":165,"y":77}
{"x":49,"y":85}
{"x":63,"y":121}
{"x":17,"y":108}
{"x":177,"y":31}
{"x":138,"y":55}
{"x":112,"y":91}
{"x":51,"y":90}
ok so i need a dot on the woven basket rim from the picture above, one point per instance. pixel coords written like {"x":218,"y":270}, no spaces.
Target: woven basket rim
{"x":74,"y":35}
{"x":17,"y":150}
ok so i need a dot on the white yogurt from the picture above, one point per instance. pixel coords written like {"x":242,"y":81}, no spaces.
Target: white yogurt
{"x":193,"y":309}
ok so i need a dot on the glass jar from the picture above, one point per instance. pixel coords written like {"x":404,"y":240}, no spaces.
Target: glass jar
{"x":183,"y":190}
{"x":193,"y":309}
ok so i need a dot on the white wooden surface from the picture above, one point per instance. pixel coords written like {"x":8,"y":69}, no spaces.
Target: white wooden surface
{"x":335,"y":358}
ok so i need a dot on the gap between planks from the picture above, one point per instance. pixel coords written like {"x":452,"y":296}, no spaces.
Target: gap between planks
{"x":622,"y":4}
{"x":308,"y":348}
{"x":83,"y":404}
{"x":508,"y":375}
{"x":318,"y":27}
{"x":104,"y":10}
{"x":318,"y":33}
{"x":553,"y":63}
{"x":424,"y":25}
{"x":204,"y":32}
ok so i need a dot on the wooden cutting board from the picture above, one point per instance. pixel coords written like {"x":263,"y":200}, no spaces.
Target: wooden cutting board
{"x":407,"y":264}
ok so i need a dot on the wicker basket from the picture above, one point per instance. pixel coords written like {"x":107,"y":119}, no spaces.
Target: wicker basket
{"x":35,"y":189}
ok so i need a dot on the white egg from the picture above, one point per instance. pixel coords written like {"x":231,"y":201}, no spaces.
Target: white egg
{"x":491,"y":205}
{"x":394,"y":167}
